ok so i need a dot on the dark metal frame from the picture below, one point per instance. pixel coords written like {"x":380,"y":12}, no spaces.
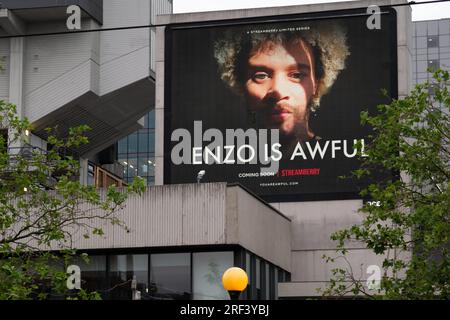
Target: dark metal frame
{"x":239,"y":257}
{"x":265,"y":20}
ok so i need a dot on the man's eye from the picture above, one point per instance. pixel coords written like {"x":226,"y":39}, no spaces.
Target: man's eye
{"x":258,"y":76}
{"x":297,"y":75}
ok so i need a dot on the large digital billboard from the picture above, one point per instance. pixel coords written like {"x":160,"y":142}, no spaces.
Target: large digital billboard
{"x":274,"y":104}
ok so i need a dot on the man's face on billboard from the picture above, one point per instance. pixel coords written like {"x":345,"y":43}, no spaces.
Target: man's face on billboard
{"x":279,"y":86}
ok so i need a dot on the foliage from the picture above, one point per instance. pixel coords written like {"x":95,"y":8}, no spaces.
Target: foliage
{"x":410,"y":225}
{"x":43,"y":206}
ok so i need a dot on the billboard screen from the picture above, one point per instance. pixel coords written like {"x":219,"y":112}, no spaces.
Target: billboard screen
{"x":274,"y":104}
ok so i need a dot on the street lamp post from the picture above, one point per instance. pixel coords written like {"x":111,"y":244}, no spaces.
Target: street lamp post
{"x":235,"y":281}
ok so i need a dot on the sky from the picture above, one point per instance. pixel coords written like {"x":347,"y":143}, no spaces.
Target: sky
{"x":420,"y":12}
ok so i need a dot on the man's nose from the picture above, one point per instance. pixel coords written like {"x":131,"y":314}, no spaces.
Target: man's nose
{"x":278,"y":88}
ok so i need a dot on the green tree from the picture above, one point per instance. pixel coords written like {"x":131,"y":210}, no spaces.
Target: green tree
{"x":42,"y":205}
{"x":410,"y":224}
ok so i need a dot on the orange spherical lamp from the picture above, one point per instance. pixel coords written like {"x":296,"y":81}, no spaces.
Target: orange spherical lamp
{"x":235,"y":281}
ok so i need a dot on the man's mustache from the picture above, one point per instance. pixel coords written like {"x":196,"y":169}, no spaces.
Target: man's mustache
{"x":279,"y":107}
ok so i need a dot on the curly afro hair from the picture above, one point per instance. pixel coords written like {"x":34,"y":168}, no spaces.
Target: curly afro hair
{"x":327,"y":40}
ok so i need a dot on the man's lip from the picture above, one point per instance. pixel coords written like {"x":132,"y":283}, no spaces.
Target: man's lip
{"x":280,"y":115}
{"x":280,"y":111}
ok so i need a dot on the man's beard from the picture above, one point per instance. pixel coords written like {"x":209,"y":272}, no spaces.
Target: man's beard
{"x":300,"y":130}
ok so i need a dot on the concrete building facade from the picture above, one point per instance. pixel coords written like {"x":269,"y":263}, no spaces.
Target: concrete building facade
{"x":110,"y":80}
{"x":312,"y":221}
{"x":182,"y":238}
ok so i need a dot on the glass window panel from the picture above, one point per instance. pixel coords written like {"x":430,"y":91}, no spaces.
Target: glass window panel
{"x":132,"y":167}
{"x":132,"y":143}
{"x":151,"y":119}
{"x":90,"y":175}
{"x":281,"y":276}
{"x":151,"y":141}
{"x":143,"y":168}
{"x":124,"y":163}
{"x":421,"y":28}
{"x":422,"y":52}
{"x":433,"y":64}
{"x":143,"y":142}
{"x":444,"y":26}
{"x":433,"y":41}
{"x":123,"y":268}
{"x":248,"y":266}
{"x":208,"y":268}
{"x":276,"y":280}
{"x":432,"y":27}
{"x":93,"y":273}
{"x":421,"y":42}
{"x":445,"y":64}
{"x":258,"y":274}
{"x":444,"y":40}
{"x":122,"y":146}
{"x":146,"y":121}
{"x":433,"y":56}
{"x":421,"y":66}
{"x":170,"y":276}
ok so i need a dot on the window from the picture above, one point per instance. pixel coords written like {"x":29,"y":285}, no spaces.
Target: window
{"x":421,"y":42}
{"x":433,"y":41}
{"x":150,"y":120}
{"x":132,"y":143}
{"x":151,"y":140}
{"x":258,"y":278}
{"x":122,"y":146}
{"x":281,"y":276}
{"x":433,"y":64}
{"x":208,"y":268}
{"x":143,"y":143}
{"x":248,"y":270}
{"x":137,"y":149}
{"x":275,"y":278}
{"x":273,"y":283}
{"x":90,"y":175}
{"x":93,"y":273}
{"x":170,"y":276}
{"x":123,"y":268}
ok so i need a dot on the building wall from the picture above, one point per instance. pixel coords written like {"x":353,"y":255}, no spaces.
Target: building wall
{"x":431,"y":47}
{"x":312,"y":222}
{"x":256,"y":227}
{"x":92,"y":7}
{"x":133,"y":149}
{"x":157,"y":8}
{"x":58,"y":69}
{"x":125,"y":55}
{"x":193,"y":215}
{"x":138,"y":149}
